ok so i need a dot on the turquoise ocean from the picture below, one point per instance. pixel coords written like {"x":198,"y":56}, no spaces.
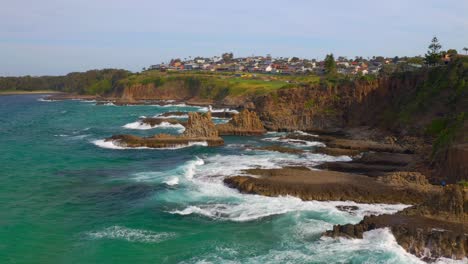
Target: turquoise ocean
{"x":68,"y":197}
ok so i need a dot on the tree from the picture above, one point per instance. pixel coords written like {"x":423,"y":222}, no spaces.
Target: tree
{"x":227,"y":57}
{"x":433,"y":54}
{"x":465,"y":49}
{"x":330,"y":64}
{"x":452,"y":52}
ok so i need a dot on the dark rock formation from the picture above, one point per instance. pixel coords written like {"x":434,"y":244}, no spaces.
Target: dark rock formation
{"x":436,"y":228}
{"x":223,"y":114}
{"x":337,"y":151}
{"x":246,"y":123}
{"x":367,"y":145}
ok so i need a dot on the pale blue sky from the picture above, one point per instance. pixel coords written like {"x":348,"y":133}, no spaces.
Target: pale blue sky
{"x":54,"y":37}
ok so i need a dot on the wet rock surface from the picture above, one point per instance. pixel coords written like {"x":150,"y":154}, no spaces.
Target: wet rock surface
{"x":435,"y":228}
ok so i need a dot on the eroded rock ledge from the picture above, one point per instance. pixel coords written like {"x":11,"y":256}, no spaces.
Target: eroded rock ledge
{"x":332,"y":186}
{"x":436,"y":228}
{"x":199,"y":129}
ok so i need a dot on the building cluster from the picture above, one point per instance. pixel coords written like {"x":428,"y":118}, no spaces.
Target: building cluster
{"x":285,"y":66}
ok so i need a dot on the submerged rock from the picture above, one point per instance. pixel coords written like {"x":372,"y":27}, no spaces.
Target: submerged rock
{"x":246,"y":123}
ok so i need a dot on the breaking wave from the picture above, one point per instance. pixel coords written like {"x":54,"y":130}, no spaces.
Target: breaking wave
{"x":164,"y":125}
{"x":112,"y":145}
{"x":295,"y":142}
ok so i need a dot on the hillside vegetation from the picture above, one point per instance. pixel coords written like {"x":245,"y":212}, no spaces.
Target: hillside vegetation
{"x":95,"y":82}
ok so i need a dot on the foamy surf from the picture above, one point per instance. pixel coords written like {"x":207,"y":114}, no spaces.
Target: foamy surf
{"x":173,"y":176}
{"x":42,"y":99}
{"x":254,"y":207}
{"x":295,"y":142}
{"x":206,"y":176}
{"x":130,"y":235}
{"x":163,"y":125}
{"x":113,"y":145}
{"x":172,"y":181}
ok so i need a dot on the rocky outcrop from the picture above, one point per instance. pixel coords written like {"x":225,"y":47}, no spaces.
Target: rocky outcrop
{"x":199,"y":130}
{"x":326,"y":186}
{"x":367,"y":145}
{"x":200,"y":125}
{"x":374,"y":163}
{"x":436,"y":228}
{"x":162,"y":141}
{"x":246,"y":123}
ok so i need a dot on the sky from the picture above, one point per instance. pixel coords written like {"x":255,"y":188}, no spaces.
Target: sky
{"x":55,"y":37}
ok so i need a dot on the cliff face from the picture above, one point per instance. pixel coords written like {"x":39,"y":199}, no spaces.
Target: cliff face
{"x":170,"y":91}
{"x":246,"y":123}
{"x":348,"y":104}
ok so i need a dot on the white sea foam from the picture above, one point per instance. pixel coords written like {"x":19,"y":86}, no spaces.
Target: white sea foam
{"x":131,"y":235}
{"x":172,"y":181}
{"x":42,"y":99}
{"x":138,"y":125}
{"x":304,"y":133}
{"x":112,"y":145}
{"x":211,"y":109}
{"x":295,"y":142}
{"x":172,"y":116}
{"x":207,"y":176}
{"x":164,"y":125}
{"x":192,"y":166}
{"x":174,"y":105}
{"x":255,"y":207}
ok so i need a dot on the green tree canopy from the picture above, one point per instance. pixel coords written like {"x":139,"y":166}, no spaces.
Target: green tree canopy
{"x":330,"y":64}
{"x":433,"y":54}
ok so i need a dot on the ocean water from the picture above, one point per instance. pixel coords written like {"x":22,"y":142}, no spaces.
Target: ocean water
{"x":68,"y":197}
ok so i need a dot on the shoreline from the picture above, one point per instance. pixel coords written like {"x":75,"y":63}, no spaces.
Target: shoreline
{"x":29,"y":92}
